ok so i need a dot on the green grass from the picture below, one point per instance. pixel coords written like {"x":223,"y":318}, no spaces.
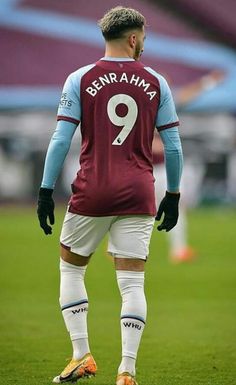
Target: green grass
{"x":190,"y":336}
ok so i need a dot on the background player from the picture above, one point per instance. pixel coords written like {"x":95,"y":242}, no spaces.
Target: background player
{"x":118,"y":102}
{"x":179,"y":248}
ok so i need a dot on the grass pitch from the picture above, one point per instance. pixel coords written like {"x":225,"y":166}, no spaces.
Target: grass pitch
{"x":190,"y":336}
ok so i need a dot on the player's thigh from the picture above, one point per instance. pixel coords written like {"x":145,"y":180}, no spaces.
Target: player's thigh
{"x":80,"y":235}
{"x":129,"y":238}
{"x":129,"y":264}
{"x":73,"y":258}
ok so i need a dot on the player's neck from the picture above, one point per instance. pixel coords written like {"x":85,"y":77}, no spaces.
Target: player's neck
{"x":118,"y":52}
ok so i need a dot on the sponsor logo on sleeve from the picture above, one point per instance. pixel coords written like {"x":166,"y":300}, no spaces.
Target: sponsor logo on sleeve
{"x":65,"y":101}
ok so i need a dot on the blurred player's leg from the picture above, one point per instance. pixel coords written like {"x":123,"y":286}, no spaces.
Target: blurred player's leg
{"x":177,"y":236}
{"x":180,"y":251}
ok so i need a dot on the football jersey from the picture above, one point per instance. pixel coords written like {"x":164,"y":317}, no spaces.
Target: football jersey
{"x":118,"y":103}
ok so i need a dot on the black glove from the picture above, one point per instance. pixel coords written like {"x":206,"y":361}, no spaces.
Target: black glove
{"x":45,"y":209}
{"x":170,"y":207}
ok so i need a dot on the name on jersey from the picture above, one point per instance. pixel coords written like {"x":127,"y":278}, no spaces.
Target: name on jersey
{"x":111,"y":77}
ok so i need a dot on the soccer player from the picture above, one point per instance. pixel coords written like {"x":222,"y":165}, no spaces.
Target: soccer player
{"x":118,"y":102}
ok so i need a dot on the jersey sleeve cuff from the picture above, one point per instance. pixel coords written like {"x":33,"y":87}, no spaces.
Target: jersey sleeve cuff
{"x":161,"y":128}
{"x":68,"y":119}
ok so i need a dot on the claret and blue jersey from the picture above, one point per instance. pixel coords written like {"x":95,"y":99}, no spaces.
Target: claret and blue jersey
{"x":124,"y":72}
{"x":118,"y":102}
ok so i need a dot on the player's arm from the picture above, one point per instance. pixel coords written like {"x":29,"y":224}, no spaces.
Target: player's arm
{"x":56,"y":154}
{"x":174,"y":164}
{"x":167,"y":125}
{"x":173,"y":158}
{"x":68,"y":119}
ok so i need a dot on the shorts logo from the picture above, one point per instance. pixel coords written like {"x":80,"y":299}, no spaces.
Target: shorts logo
{"x":65,"y":101}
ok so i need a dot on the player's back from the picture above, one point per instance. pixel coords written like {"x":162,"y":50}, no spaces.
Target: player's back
{"x":119,"y":102}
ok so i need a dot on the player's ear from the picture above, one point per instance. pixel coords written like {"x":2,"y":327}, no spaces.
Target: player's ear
{"x":132,"y":40}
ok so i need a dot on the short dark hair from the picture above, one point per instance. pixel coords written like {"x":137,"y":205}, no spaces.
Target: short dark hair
{"x":119,"y":20}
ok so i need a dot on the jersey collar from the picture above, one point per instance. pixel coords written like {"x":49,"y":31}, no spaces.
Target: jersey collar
{"x":108,"y":58}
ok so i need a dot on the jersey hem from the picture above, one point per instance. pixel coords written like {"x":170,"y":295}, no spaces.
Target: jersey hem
{"x":161,"y":128}
{"x":68,"y":119}
{"x":114,"y":213}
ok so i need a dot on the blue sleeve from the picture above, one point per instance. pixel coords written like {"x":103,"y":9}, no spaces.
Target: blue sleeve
{"x":57,"y":151}
{"x":69,"y":108}
{"x":166,"y":116}
{"x":173,"y":157}
{"x":70,"y":104}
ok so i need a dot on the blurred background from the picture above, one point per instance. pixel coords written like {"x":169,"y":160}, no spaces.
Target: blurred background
{"x":191,"y":335}
{"x":192,"y":43}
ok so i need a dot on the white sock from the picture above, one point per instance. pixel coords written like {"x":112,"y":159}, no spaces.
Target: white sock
{"x":74,"y":305}
{"x":133,"y":316}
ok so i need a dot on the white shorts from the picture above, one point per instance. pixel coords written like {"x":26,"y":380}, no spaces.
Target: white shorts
{"x":129,"y":236}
